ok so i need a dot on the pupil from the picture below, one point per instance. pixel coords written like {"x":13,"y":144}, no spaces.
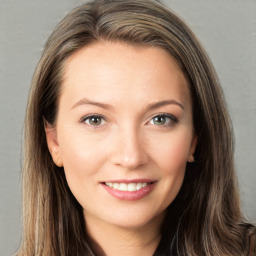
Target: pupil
{"x":95,"y":120}
{"x":159,"y":120}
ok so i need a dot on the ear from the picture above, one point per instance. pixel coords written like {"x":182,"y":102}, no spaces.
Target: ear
{"x":52,"y":142}
{"x":191,"y":158}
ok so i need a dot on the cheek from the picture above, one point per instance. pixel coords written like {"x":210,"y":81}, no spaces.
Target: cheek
{"x":82,"y":156}
{"x":171,"y":159}
{"x":172,"y":154}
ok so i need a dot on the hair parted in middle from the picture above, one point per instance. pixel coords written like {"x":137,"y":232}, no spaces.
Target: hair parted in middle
{"x":207,"y":207}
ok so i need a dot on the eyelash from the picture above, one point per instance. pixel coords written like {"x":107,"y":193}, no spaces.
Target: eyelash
{"x":86,"y":118}
{"x":172,"y":120}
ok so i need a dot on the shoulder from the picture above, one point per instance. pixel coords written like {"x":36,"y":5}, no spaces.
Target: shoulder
{"x":251,"y":240}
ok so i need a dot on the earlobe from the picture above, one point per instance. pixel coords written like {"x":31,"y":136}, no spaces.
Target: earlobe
{"x":191,"y":157}
{"x":52,"y":142}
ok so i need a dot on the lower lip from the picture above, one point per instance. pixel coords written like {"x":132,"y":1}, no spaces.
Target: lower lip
{"x":129,"y":195}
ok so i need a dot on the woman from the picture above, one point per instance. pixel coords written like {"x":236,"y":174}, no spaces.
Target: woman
{"x":128,"y":142}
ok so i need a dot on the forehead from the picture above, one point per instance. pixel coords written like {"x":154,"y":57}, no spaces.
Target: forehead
{"x":110,"y":69}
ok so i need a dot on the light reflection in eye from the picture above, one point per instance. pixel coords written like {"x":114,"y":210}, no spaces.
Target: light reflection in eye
{"x":163,"y":120}
{"x":94,"y":120}
{"x":158,"y":120}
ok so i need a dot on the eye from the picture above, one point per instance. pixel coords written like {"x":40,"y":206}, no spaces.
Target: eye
{"x":94,"y":120}
{"x":163,"y":120}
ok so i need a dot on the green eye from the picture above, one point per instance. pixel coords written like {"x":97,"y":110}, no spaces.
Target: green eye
{"x":94,"y":120}
{"x":159,"y":120}
{"x":164,"y":119}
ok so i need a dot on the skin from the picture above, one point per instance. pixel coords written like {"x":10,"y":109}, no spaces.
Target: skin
{"x":127,"y":143}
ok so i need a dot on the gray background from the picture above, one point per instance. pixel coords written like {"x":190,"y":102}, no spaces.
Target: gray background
{"x":226,"y":28}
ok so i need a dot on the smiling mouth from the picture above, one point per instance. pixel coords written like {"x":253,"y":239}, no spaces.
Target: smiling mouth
{"x":129,"y":190}
{"x":128,"y":186}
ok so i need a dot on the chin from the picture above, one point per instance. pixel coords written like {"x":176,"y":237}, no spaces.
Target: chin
{"x":136,"y":220}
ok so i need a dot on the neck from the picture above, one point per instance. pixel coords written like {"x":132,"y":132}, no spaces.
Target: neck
{"x":106,"y":239}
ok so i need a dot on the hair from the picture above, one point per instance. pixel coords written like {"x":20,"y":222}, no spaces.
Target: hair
{"x":207,"y":207}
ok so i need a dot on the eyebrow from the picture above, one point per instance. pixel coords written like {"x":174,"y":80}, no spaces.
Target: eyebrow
{"x":163,"y":103}
{"x":85,"y":101}
{"x":151,"y":106}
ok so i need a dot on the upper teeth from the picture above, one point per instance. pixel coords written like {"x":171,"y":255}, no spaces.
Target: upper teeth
{"x":127,"y":186}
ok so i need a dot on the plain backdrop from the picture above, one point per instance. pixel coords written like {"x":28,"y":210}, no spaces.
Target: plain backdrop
{"x":226,"y":28}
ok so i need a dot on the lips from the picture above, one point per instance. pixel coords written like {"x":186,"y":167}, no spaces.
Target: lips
{"x":127,"y":186}
{"x":129,"y":190}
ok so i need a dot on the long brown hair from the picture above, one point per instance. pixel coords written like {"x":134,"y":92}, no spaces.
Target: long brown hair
{"x":210,"y":220}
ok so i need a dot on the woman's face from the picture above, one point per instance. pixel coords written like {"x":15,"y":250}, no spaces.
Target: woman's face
{"x":124,"y":132}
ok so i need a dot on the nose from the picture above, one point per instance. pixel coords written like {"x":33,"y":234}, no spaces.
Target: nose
{"x":128,"y":149}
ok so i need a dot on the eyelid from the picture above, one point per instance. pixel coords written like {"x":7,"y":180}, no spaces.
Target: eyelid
{"x":84,"y":118}
{"x":173,"y":118}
